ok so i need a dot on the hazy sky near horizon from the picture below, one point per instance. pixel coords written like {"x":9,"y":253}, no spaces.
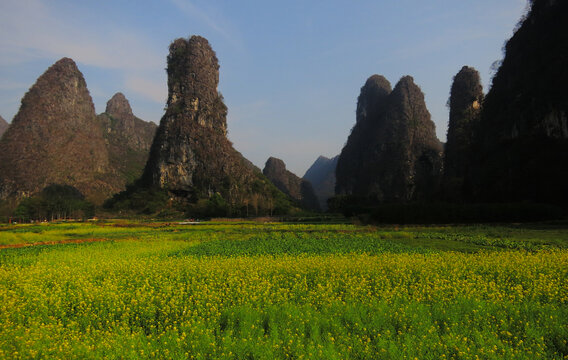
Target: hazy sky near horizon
{"x":290,"y":71}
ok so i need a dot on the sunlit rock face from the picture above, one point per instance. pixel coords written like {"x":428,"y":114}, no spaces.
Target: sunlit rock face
{"x":55,"y":138}
{"x":191,"y":156}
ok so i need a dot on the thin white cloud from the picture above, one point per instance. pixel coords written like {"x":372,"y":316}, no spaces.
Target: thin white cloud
{"x":36,"y":31}
{"x":192,"y":12}
{"x":32,"y":30}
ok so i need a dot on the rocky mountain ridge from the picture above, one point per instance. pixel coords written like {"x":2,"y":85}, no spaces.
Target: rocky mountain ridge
{"x":298,"y":189}
{"x":128,"y":139}
{"x":321,"y":175}
{"x":56,"y":138}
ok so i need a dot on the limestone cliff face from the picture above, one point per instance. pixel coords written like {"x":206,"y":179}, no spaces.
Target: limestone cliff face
{"x":522,"y":142}
{"x":128,"y":140}
{"x":54,"y":138}
{"x":3,"y":126}
{"x":322,"y":177}
{"x":191,"y":156}
{"x":193,"y":76}
{"x":466,"y":97}
{"x":392,"y":154}
{"x":298,"y":189}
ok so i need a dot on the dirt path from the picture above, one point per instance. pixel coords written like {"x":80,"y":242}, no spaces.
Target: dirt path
{"x":71,"y":241}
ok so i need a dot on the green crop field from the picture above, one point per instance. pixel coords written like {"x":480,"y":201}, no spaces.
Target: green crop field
{"x":248,"y":290}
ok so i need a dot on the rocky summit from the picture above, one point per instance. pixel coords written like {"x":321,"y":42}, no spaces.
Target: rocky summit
{"x":322,"y":177}
{"x":54,"y":138}
{"x":128,"y":140}
{"x":522,"y":142}
{"x":191,"y":156}
{"x":392,"y":153}
{"x":466,"y":97}
{"x":298,"y":189}
{"x":3,"y":126}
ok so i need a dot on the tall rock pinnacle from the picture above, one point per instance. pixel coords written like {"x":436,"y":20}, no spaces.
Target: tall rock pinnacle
{"x":191,"y":156}
{"x":54,"y":137}
{"x":466,"y":98}
{"x":392,"y":153}
{"x":193,"y":76}
{"x":352,"y":168}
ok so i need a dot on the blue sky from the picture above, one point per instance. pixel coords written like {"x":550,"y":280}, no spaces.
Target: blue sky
{"x":290,"y":72}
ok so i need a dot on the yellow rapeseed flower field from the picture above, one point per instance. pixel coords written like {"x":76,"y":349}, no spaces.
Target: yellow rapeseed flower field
{"x":253,"y":291}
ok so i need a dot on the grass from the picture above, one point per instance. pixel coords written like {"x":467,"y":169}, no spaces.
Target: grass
{"x":278,"y":291}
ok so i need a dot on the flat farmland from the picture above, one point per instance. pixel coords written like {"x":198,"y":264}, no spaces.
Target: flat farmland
{"x":246,"y":290}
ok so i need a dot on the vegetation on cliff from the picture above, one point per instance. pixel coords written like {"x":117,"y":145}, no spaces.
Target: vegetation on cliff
{"x":55,"y":202}
{"x":507,"y":147}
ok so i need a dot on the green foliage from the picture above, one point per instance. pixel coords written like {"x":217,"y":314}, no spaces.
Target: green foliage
{"x":299,"y":242}
{"x":55,"y":202}
{"x":249,"y":238}
{"x":282,"y":204}
{"x":215,"y":206}
{"x":139,"y":199}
